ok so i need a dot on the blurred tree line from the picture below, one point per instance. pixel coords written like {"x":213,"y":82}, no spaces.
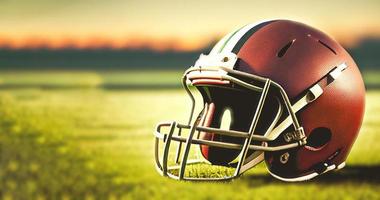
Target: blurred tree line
{"x":365,"y":54}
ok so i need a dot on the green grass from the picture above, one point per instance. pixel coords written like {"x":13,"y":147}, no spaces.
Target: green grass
{"x":90,"y":143}
{"x":86,"y":79}
{"x":83,"y":143}
{"x":371,"y":77}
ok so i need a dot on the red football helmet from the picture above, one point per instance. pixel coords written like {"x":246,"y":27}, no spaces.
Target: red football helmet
{"x":292,"y":96}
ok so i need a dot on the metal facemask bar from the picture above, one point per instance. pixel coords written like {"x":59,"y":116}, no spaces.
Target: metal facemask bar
{"x":225,"y":75}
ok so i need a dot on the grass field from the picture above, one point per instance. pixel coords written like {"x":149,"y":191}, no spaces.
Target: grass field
{"x":89,"y":79}
{"x":97,"y":143}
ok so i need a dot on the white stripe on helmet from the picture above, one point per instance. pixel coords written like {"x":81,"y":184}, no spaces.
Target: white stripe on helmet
{"x":231,"y":43}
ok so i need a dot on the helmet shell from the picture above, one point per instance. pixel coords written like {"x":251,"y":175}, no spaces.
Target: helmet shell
{"x":297,"y":56}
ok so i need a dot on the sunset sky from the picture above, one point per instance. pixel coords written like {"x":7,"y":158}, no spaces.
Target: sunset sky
{"x":181,"y":25}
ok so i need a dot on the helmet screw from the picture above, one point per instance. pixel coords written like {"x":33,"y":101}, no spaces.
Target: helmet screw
{"x":225,"y":59}
{"x":284,"y":158}
{"x":287,"y":138}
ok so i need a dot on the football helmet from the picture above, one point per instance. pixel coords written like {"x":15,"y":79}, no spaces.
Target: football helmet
{"x":277,"y":91}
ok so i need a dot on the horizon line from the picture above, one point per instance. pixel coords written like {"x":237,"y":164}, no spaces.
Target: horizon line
{"x":149,"y":44}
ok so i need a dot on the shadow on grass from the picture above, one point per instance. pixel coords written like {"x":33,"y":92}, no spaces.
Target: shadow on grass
{"x":351,"y":173}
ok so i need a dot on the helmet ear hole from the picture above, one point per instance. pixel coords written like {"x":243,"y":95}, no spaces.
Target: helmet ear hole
{"x":318,"y":138}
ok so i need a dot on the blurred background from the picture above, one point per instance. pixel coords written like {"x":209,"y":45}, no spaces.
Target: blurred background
{"x":83,"y":82}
